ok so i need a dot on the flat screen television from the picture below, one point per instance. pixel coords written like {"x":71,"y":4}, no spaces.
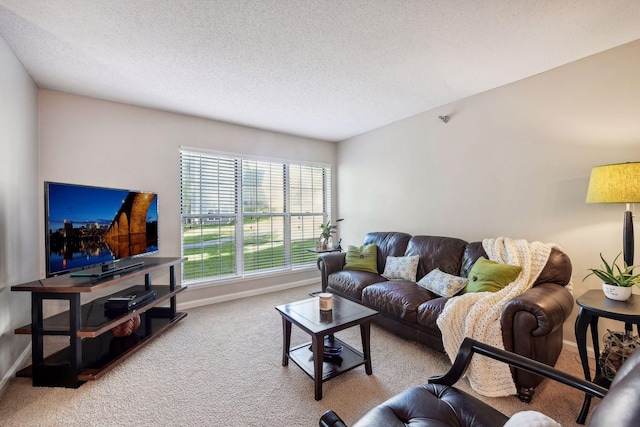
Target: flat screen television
{"x":88,"y":226}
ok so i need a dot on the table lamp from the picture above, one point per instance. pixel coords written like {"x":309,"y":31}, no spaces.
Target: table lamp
{"x":617,"y":183}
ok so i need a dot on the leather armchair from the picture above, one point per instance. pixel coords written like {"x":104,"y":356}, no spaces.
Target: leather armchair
{"x":438,"y":403}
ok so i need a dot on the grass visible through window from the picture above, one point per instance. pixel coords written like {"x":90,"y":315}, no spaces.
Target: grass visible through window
{"x":211,"y":251}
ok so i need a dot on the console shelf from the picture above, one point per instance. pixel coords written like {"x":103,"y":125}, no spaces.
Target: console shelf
{"x":93,"y":350}
{"x":94,"y":320}
{"x":100,"y":355}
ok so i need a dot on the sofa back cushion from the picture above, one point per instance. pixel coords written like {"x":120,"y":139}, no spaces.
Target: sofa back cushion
{"x":472,"y":252}
{"x":444,"y":253}
{"x":388,"y":243}
{"x":557,"y":270}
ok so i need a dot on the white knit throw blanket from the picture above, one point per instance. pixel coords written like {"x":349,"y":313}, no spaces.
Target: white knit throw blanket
{"x":477,"y":315}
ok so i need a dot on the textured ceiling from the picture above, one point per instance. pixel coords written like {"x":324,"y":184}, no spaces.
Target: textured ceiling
{"x":326,"y":69}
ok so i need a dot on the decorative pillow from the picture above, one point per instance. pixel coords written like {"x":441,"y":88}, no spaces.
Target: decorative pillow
{"x":401,"y":268}
{"x":363,"y":258}
{"x":127,"y":327}
{"x":490,"y":276}
{"x":443,"y":284}
{"x":531,"y":419}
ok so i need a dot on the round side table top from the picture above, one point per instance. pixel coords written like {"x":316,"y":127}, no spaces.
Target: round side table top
{"x":595,"y":301}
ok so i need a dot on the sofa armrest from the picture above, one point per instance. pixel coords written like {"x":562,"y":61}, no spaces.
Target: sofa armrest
{"x":330,"y":263}
{"x":545,"y":308}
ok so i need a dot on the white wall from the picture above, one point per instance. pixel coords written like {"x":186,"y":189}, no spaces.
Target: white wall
{"x":19,"y":219}
{"x":514,"y":161}
{"x":94,"y":142}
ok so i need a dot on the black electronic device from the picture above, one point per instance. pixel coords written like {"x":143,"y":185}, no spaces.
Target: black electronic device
{"x":122,"y":303}
{"x":330,"y":349}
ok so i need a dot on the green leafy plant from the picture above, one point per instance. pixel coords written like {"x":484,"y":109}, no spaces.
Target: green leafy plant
{"x":614,"y":275}
{"x":329,"y":229}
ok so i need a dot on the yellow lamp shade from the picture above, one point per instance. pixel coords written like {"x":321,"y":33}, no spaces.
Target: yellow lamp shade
{"x":618,"y":183}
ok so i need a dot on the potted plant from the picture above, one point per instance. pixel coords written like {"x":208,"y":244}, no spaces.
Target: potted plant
{"x":616,"y":281}
{"x":328,"y":230}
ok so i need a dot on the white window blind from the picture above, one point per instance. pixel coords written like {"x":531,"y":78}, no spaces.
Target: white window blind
{"x":244,"y":216}
{"x":310,"y":206}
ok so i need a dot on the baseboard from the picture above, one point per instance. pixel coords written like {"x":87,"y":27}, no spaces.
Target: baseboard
{"x":26,"y":355}
{"x":573,"y":348}
{"x":244,"y":294}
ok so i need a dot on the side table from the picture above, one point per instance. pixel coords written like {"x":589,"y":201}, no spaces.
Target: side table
{"x":593,"y":305}
{"x":324,"y":251}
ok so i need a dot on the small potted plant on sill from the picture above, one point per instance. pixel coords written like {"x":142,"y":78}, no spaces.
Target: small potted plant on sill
{"x":328,"y":230}
{"x":616,"y":282}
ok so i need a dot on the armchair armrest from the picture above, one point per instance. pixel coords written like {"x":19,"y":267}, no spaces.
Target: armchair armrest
{"x":330,"y":263}
{"x":470,"y":346}
{"x":331,"y":419}
{"x":463,"y":358}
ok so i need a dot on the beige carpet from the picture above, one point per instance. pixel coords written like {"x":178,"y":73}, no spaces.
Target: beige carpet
{"x":221,"y":366}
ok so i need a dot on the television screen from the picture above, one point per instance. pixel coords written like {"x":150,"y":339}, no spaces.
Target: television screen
{"x":87,"y":226}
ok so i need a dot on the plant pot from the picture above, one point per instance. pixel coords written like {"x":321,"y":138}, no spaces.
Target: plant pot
{"x":617,"y":293}
{"x":325,"y":243}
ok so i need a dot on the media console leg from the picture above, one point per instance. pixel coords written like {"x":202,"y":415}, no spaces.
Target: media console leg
{"x":44,"y":375}
{"x":75,"y":322}
{"x":172,"y":287}
{"x":37,"y":339}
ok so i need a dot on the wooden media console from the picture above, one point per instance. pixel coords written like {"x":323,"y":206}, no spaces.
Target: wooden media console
{"x":93,"y":350}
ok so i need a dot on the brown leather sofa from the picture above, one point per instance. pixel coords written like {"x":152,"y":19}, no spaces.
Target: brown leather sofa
{"x":531,"y":322}
{"x":438,"y":403}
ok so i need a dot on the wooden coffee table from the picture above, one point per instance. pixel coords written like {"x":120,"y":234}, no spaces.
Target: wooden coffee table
{"x":310,"y":357}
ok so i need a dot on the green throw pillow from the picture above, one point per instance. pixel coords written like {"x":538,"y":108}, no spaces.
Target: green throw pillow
{"x":363,"y":258}
{"x":490,"y":276}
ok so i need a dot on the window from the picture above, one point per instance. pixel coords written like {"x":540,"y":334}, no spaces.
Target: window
{"x":243,"y":216}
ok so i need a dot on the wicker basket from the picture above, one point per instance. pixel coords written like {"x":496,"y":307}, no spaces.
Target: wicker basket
{"x":618,"y":346}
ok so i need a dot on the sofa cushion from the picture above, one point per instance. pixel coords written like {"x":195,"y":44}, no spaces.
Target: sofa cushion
{"x":428,"y":312}
{"x":388,"y":243}
{"x":396,"y":298}
{"x":472,"y":252}
{"x":401,"y":268}
{"x":363,"y":258}
{"x":444,"y":253}
{"x":350,"y":283}
{"x":557,"y":270}
{"x":443,"y":284}
{"x":491,"y":276}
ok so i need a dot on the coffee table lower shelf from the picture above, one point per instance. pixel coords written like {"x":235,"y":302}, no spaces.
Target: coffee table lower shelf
{"x":332,"y":366}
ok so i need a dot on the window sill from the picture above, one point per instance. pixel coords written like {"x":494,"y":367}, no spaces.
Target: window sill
{"x":247,"y":277}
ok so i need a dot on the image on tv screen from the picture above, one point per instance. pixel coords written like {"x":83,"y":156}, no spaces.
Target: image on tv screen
{"x":87,"y":226}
